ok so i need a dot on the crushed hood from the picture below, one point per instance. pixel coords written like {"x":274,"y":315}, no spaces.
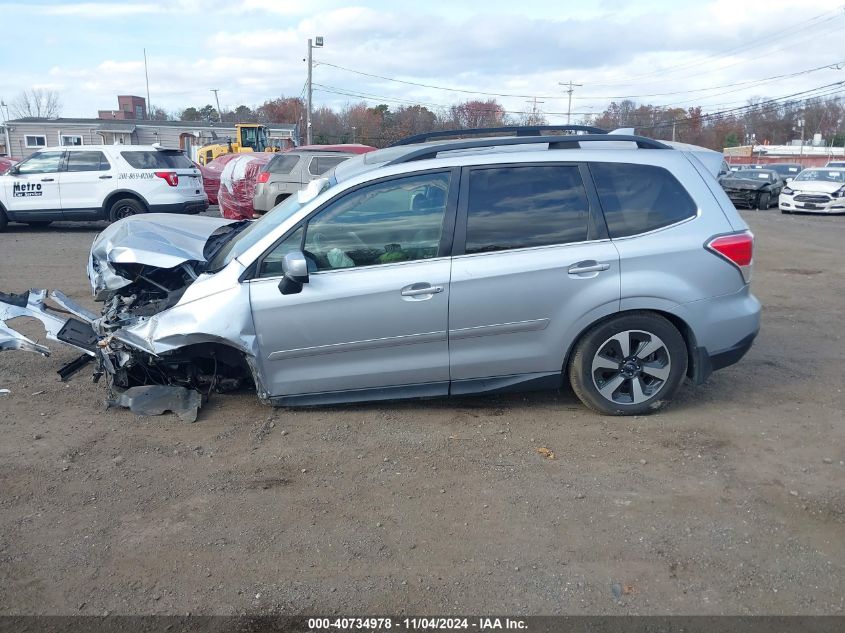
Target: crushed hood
{"x":160,"y":240}
{"x":743,"y":183}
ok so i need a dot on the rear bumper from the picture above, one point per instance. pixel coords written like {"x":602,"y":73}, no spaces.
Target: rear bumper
{"x":722,"y":328}
{"x":189,"y":207}
{"x":707,"y":363}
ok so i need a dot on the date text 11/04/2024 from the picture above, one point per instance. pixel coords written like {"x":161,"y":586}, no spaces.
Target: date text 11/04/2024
{"x":417,"y":624}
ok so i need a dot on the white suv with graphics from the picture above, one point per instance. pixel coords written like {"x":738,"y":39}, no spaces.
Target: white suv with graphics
{"x":99,"y":182}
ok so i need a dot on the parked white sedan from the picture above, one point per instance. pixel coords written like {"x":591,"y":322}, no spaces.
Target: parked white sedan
{"x":815,"y":190}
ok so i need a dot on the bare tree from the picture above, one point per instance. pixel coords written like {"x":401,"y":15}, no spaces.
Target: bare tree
{"x":36,"y":102}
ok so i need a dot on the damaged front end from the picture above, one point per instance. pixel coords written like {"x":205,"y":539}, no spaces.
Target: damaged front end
{"x":743,"y":192}
{"x":169,"y":334}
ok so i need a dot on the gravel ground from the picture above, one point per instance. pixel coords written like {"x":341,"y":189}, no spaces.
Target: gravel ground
{"x":731,"y":501}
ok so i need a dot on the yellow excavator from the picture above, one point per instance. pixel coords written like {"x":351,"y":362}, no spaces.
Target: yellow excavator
{"x":249,"y":137}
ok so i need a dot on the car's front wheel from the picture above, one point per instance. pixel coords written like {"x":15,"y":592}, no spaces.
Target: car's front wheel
{"x":124,"y":208}
{"x":764,"y":201}
{"x":4,"y":221}
{"x":630,"y":365}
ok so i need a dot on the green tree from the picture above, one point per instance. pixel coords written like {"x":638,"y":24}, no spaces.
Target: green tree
{"x":732,"y":139}
{"x":209,"y":113}
{"x":190,"y":114}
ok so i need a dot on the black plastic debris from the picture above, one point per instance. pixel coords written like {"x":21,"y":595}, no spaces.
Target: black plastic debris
{"x":157,"y":399}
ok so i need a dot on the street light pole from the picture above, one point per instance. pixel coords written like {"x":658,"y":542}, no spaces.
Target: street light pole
{"x":317,"y":44}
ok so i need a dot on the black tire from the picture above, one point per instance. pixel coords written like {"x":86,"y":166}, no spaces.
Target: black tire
{"x":4,"y":221}
{"x":124,"y":208}
{"x":645,"y":330}
{"x":40,"y":223}
{"x":764,"y":201}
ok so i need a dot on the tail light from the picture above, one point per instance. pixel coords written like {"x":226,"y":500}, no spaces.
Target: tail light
{"x":737,"y":248}
{"x":171,"y":177}
{"x":264,"y":176}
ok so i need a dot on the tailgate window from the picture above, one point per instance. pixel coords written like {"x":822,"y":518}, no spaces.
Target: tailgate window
{"x":157,"y":159}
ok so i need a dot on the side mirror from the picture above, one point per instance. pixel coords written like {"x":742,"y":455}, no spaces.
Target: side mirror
{"x":295,"y":267}
{"x":13,"y":170}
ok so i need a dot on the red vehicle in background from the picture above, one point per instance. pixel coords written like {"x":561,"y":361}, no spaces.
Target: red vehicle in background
{"x":5,"y":163}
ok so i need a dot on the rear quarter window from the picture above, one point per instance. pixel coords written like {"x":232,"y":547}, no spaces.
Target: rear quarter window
{"x":321,"y":164}
{"x":640,"y":198}
{"x":157,"y":159}
{"x":282,"y":164}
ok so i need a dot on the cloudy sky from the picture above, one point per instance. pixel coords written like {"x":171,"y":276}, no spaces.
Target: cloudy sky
{"x":716,"y":53}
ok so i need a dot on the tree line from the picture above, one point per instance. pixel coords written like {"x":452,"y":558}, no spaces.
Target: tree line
{"x":760,"y":121}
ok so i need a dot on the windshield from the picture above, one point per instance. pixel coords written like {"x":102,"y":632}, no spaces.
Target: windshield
{"x":825,"y":175}
{"x":257,"y":229}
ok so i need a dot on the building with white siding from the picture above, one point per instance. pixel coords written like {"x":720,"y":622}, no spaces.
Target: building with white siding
{"x":27,"y":135}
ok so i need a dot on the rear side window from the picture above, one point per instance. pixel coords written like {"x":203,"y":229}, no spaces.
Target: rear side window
{"x":522,"y":207}
{"x":640,"y":198}
{"x":321,"y":164}
{"x":282,"y":164}
{"x":157,"y":159}
{"x":87,"y":161}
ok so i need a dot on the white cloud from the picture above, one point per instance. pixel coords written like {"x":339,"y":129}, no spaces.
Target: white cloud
{"x":614,"y":51}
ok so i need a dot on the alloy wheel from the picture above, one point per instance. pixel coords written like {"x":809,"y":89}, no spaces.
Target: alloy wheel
{"x":630,"y":367}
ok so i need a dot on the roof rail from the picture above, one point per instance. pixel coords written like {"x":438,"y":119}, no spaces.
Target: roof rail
{"x":555,"y":142}
{"x":519,"y":130}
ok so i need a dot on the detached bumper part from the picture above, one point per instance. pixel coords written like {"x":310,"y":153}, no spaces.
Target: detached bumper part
{"x":157,"y":399}
{"x":31,"y":304}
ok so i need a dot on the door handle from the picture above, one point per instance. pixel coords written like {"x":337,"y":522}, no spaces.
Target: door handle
{"x":587,"y":267}
{"x":47,"y":179}
{"x":104,"y":177}
{"x":427,"y":290}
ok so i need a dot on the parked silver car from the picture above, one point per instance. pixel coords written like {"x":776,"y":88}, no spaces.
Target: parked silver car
{"x":435,"y":268}
{"x":289,"y":172}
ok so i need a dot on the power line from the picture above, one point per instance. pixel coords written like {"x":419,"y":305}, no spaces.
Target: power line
{"x":835,"y":66}
{"x":762,"y":41}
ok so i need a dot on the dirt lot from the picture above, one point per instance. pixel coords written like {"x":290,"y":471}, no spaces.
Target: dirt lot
{"x":732,"y":501}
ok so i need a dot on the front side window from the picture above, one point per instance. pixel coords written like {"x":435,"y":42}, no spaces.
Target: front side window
{"x":321,"y":164}
{"x":525,"y":206}
{"x":392,"y":221}
{"x":41,"y":163}
{"x":87,"y":161}
{"x":71,"y":140}
{"x":36,"y":140}
{"x":640,"y":198}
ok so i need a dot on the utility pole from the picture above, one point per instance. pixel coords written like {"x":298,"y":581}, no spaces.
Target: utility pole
{"x":569,"y":91}
{"x":533,"y":102}
{"x":147,"y":77}
{"x":801,"y":151}
{"x":219,"y":113}
{"x":317,"y":44}
{"x":674,"y":123}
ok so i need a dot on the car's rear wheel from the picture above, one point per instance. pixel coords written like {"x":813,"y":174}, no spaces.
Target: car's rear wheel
{"x":764,"y":201}
{"x":40,"y":223}
{"x":124,"y":208}
{"x":630,"y":365}
{"x":4,"y":221}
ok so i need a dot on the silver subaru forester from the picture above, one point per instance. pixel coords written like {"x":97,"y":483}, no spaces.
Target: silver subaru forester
{"x":431,"y":268}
